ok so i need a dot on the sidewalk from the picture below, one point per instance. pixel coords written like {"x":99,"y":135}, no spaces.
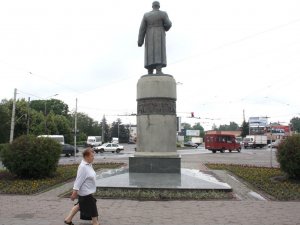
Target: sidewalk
{"x":48,"y":209}
{"x":42,"y":210}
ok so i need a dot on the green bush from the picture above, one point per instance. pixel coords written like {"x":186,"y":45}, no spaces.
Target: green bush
{"x":32,"y":157}
{"x":288,"y":156}
{"x":2,"y":147}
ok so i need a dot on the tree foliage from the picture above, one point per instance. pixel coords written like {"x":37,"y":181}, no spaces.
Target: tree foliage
{"x":119,"y":130}
{"x":245,"y":129}
{"x":232,"y":126}
{"x":198,"y":126}
{"x":5,"y":118}
{"x":87,"y":125}
{"x":46,"y":106}
{"x":106,"y":132}
{"x":295,"y":122}
{"x":57,"y":120}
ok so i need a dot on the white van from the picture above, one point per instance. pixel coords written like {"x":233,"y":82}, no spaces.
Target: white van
{"x":93,"y":141}
{"x":115,"y":140}
{"x":59,"y":138}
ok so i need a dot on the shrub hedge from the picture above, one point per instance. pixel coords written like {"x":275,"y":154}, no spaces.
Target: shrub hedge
{"x":32,"y":157}
{"x":2,"y":147}
{"x":288,"y":156}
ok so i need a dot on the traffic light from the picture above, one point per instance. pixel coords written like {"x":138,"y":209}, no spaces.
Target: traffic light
{"x":192,"y":114}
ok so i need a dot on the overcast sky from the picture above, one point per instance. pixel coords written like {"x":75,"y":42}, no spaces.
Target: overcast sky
{"x":225,"y":55}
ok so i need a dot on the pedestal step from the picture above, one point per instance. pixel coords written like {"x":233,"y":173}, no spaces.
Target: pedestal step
{"x":154,"y":165}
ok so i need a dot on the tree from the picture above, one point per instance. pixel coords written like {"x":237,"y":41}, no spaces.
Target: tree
{"x":5,"y":118}
{"x":214,"y":127}
{"x":232,"y":126}
{"x":119,"y":130}
{"x":225,"y":127}
{"x":64,"y":127}
{"x":197,"y":126}
{"x":106,"y":132}
{"x":56,"y":121}
{"x":56,"y":105}
{"x":186,"y":126}
{"x":245,"y":129}
{"x":86,"y":126}
{"x":295,"y":124}
{"x":20,"y":117}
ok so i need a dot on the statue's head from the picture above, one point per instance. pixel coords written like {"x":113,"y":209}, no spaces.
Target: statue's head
{"x":155,"y":5}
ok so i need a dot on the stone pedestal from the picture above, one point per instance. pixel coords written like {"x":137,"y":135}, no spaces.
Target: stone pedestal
{"x":156,"y":126}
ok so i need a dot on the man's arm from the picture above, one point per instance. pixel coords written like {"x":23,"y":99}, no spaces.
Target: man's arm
{"x":167,"y":22}
{"x":142,"y":32}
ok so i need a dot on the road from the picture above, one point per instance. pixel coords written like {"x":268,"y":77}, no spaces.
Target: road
{"x":259,"y":157}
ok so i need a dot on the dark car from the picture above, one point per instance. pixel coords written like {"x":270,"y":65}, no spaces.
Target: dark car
{"x":190,"y":144}
{"x":68,"y":149}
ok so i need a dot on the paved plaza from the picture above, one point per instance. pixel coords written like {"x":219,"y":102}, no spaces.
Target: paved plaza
{"x":49,"y":209}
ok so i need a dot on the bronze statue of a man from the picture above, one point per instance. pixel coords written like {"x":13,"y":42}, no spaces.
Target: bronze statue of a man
{"x":154,"y":25}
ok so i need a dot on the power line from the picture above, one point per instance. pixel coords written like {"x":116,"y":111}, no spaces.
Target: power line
{"x":239,"y":40}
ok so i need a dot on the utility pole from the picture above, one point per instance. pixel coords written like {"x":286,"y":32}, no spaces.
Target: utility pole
{"x":28,"y":108}
{"x":13,"y":114}
{"x":75,"y":131}
{"x":118,"y":131}
{"x":271,"y":154}
{"x":103,"y":127}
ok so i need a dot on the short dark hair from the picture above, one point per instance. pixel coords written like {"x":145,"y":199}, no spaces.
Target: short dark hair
{"x":87,"y":152}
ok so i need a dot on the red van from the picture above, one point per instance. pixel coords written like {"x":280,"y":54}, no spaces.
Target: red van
{"x":221,"y":142}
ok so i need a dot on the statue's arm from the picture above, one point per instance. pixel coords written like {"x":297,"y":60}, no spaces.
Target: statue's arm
{"x":142,"y":32}
{"x":167,"y":22}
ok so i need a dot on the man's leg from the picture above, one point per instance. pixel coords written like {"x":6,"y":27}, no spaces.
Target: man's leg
{"x":150,"y":71}
{"x":158,"y":69}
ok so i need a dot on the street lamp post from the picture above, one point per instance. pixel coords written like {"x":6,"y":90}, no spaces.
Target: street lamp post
{"x":46,"y":131}
{"x":118,"y":131}
{"x":12,"y":125}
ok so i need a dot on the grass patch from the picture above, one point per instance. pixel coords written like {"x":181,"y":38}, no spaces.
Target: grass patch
{"x":158,"y":195}
{"x":10,"y":184}
{"x":269,"y":180}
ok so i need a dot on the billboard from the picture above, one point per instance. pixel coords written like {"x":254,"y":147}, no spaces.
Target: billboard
{"x":280,"y":129}
{"x":258,"y":121}
{"x":193,"y":133}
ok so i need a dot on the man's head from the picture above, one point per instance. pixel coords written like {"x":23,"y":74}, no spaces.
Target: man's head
{"x":155,"y":5}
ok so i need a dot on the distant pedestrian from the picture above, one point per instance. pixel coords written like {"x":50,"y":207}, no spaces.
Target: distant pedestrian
{"x":84,"y":187}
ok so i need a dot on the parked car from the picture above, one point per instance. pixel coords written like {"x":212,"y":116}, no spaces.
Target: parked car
{"x":68,"y":149}
{"x":275,"y":144}
{"x":190,"y":144}
{"x":109,"y":147}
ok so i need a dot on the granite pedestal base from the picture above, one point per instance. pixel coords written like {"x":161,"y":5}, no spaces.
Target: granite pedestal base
{"x":154,"y":164}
